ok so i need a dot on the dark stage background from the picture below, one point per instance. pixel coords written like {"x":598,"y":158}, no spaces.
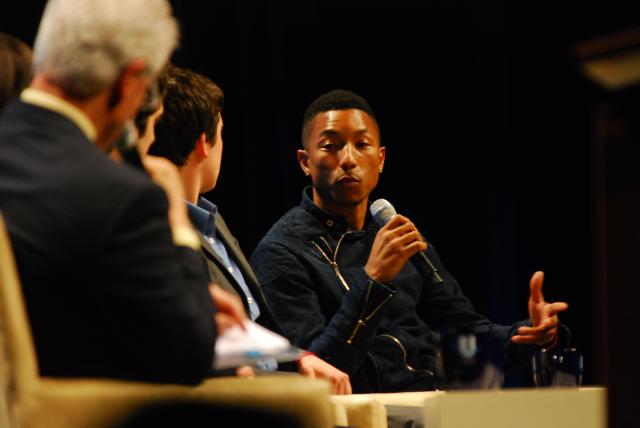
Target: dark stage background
{"x":485,"y":116}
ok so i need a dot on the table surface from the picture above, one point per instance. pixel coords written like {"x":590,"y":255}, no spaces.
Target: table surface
{"x":509,"y":408}
{"x":521,"y":408}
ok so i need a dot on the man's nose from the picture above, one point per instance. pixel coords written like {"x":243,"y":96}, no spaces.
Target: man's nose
{"x":347,"y":157}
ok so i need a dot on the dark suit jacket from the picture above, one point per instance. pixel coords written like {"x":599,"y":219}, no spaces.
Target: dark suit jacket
{"x":107,"y":292}
{"x":220,"y":275}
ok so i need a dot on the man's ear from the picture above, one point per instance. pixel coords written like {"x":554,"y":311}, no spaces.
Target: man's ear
{"x":201,"y":148}
{"x":127,"y":83}
{"x":303,"y":160}
{"x":382,"y":154}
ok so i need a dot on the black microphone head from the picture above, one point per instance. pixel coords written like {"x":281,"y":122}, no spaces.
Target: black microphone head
{"x":382,"y":211}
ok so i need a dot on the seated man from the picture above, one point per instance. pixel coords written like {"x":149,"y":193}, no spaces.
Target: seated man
{"x":113,"y":282}
{"x":340,"y":285}
{"x":189,"y":134}
{"x":15,"y":67}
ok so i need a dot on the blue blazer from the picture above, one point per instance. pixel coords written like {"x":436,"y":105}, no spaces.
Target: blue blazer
{"x":107,"y":292}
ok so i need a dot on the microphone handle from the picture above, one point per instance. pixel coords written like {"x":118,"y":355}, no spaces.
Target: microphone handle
{"x":433,"y":271}
{"x":424,"y":265}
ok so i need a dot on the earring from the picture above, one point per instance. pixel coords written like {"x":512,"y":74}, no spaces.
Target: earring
{"x":306,"y":172}
{"x":380,"y":170}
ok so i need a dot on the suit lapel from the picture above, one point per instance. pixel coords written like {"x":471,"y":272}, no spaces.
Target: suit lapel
{"x":245,"y":268}
{"x":222,"y":231}
{"x":228,"y":282}
{"x":206,"y":247}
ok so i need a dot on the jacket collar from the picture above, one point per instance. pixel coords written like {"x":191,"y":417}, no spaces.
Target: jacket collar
{"x":203,"y":216}
{"x":334,"y":224}
{"x":51,"y":102}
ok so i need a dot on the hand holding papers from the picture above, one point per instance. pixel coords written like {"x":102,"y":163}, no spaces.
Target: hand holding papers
{"x":236,"y":347}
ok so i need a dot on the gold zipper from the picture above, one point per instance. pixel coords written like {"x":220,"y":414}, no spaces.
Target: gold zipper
{"x":322,"y":238}
{"x":361,"y":321}
{"x":359,"y":324}
{"x":378,"y":307}
{"x":333,"y":263}
{"x":404,"y":354}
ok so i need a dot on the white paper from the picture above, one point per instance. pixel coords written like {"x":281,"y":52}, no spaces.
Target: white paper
{"x":255,"y":340}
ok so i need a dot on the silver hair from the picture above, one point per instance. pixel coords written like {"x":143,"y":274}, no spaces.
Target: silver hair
{"x":83,"y":45}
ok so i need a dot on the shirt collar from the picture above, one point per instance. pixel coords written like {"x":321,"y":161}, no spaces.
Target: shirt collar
{"x":335,"y":224}
{"x":51,"y":102}
{"x":203,"y":216}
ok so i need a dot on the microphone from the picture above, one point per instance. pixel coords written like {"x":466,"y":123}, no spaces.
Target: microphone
{"x":382,"y":211}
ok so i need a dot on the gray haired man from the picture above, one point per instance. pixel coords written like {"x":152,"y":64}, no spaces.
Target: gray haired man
{"x":108,"y":260}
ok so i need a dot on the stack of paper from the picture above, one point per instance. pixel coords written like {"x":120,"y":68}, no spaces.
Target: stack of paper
{"x":238,"y":347}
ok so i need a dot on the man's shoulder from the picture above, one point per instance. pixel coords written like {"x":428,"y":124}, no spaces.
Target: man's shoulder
{"x":289,"y":229}
{"x":28,"y":120}
{"x":51,"y":156}
{"x":121,"y":175}
{"x":62,"y":147}
{"x":93,"y":174}
{"x":286,"y":239}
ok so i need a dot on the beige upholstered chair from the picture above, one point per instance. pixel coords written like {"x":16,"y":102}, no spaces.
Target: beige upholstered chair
{"x":28,"y":400}
{"x":362,"y":410}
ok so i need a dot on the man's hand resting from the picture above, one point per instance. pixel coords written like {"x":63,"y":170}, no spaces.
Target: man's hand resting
{"x":312,"y":366}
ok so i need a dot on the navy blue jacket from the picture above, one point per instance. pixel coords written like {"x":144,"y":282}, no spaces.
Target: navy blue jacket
{"x":107,"y":292}
{"x":384,"y":336}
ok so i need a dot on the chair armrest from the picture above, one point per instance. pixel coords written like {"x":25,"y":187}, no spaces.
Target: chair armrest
{"x":91,"y":403}
{"x":362,"y":410}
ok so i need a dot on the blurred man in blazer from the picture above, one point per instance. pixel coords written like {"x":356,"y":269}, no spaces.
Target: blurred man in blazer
{"x":108,"y":260}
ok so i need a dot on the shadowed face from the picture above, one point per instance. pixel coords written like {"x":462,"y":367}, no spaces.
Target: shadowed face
{"x":146,"y":140}
{"x":343,"y":157}
{"x":211,"y":167}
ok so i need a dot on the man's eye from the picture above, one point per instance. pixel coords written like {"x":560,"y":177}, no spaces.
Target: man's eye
{"x":363,"y":144}
{"x":329,"y":145}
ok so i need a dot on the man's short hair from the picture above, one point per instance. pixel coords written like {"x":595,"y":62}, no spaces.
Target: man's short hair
{"x":82,"y":46}
{"x":338,"y":99}
{"x":15,"y":67}
{"x":192,"y":104}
